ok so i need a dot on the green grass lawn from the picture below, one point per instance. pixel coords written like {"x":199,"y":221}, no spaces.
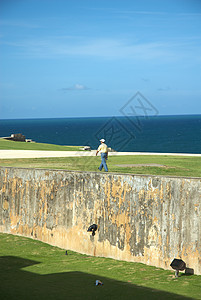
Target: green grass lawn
{"x":11,"y":145}
{"x":30,"y":269}
{"x":171,"y":165}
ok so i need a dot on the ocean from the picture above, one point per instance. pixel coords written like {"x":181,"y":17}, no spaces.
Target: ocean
{"x":165,"y":134}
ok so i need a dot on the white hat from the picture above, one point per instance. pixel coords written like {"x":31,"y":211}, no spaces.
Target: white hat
{"x":102,"y":140}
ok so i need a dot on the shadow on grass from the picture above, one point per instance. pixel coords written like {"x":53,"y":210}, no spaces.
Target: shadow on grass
{"x":17,"y":283}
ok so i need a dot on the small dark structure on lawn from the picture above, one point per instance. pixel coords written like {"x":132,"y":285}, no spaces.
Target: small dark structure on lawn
{"x":178,"y":265}
{"x":17,"y":137}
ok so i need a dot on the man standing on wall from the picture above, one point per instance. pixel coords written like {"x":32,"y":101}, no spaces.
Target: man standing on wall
{"x":104,"y":154}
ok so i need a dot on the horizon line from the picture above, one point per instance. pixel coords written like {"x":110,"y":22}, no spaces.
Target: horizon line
{"x":116,"y":116}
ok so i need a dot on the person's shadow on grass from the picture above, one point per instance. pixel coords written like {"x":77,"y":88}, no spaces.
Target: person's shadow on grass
{"x":17,"y":282}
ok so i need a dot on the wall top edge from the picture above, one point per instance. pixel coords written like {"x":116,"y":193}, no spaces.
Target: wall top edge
{"x":102,"y":173}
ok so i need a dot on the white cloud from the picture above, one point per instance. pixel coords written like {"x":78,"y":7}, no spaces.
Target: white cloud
{"x":76,"y":87}
{"x":109,"y":48}
{"x":141,"y":12}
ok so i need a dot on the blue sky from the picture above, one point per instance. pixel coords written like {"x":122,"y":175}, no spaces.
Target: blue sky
{"x":80,"y":58}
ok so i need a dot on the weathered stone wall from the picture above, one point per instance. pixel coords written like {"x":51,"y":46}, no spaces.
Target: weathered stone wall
{"x":148,"y":219}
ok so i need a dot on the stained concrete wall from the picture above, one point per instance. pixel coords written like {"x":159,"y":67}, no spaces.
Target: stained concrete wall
{"x":148,"y":219}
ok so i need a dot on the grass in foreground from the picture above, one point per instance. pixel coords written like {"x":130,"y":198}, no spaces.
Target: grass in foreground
{"x":33,"y":270}
{"x":171,"y":165}
{"x":11,"y":145}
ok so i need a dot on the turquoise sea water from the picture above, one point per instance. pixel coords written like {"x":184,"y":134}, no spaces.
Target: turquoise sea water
{"x":173,"y":134}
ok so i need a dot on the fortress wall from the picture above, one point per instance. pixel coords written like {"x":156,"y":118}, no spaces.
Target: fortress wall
{"x":147,"y":219}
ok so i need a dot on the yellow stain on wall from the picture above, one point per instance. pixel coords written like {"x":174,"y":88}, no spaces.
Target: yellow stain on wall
{"x":5,"y":205}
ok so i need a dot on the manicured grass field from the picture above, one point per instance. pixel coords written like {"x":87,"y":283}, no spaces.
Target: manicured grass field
{"x":170,"y":165}
{"x":30,"y":269}
{"x":11,"y":145}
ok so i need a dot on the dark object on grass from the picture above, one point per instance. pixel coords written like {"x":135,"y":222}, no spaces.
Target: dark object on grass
{"x":178,"y":265}
{"x":189,"y":271}
{"x":98,"y":282}
{"x":92,"y":229}
{"x":66,"y":253}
